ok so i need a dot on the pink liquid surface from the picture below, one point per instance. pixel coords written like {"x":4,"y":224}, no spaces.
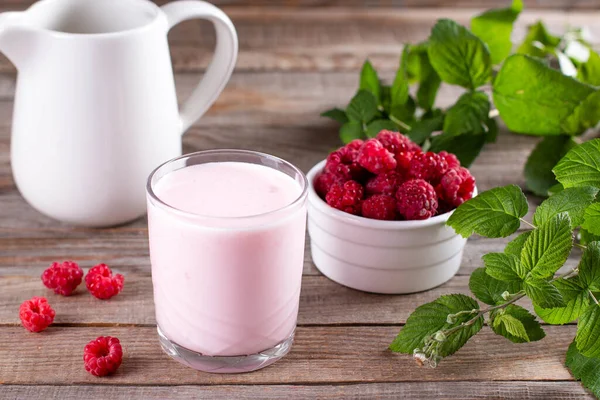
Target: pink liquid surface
{"x":227,"y":286}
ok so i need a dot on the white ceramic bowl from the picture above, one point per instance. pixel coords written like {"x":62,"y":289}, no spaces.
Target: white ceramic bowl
{"x":389,"y":257}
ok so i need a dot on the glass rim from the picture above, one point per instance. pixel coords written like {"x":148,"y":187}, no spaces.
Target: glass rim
{"x":157,"y":200}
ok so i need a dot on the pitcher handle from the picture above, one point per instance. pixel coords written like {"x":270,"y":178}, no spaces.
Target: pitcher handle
{"x":220,"y":68}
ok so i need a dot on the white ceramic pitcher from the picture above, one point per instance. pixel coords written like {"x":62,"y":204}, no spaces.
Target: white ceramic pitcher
{"x":95,"y":105}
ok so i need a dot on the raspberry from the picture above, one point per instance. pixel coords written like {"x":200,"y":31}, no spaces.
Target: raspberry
{"x":456,"y":186}
{"x":346,"y":197}
{"x":416,"y":199}
{"x":102,"y":356}
{"x":395,"y":142}
{"x":355,"y":144}
{"x":451,"y":159}
{"x":375,"y":158}
{"x":380,"y":206}
{"x":63,"y":278}
{"x":385,"y":183}
{"x":36,"y":314}
{"x":403,"y":160}
{"x":324,"y":181}
{"x":342,"y":163}
{"x":428,"y":166}
{"x":101,"y":283}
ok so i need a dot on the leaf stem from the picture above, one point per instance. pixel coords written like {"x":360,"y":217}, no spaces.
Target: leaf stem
{"x":528,"y":223}
{"x":399,"y":122}
{"x":579,"y":245}
{"x":593,"y":297}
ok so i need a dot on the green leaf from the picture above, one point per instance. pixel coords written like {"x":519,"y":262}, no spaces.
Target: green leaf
{"x":422,"y":130}
{"x":535,"y":99}
{"x":488,"y":289}
{"x":495,"y":27}
{"x":491,"y":130}
{"x":548,"y":247}
{"x":515,"y":246}
{"x":585,"y":116}
{"x":399,"y":93}
{"x":458,"y":56}
{"x":580,"y":166}
{"x":369,"y":80}
{"x":589,"y":267}
{"x":468,"y":115}
{"x":586,"y":237}
{"x":577,"y":300}
{"x":539,"y":177}
{"x":362,"y":107}
{"x":573,"y":201}
{"x":592,"y":219}
{"x":543,"y":294}
{"x":431,"y":317}
{"x":336,"y":114}
{"x":465,"y":147}
{"x":493,"y":213}
{"x":502,"y":266}
{"x":588,"y":332}
{"x":538,"y":41}
{"x":589,"y":71}
{"x":378,"y":125}
{"x":583,"y":368}
{"x":517,"y":325}
{"x":350,"y":131}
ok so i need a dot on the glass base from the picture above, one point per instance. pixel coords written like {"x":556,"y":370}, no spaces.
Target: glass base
{"x":225,"y":364}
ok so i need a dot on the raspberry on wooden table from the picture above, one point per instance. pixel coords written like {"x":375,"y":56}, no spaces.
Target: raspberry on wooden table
{"x":428,"y":166}
{"x":384,"y":183}
{"x":375,"y":158}
{"x":103,"y":355}
{"x":456,"y":186}
{"x":380,"y":206}
{"x":63,"y":278}
{"x":101,"y":282}
{"x":36,"y":314}
{"x":346,"y":197}
{"x":416,"y":199}
{"x":395,"y":142}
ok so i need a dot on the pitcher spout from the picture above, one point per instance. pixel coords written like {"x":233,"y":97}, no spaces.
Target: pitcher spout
{"x":14,"y":37}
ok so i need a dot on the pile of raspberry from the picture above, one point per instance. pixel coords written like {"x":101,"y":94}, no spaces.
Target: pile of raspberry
{"x":390,"y":178}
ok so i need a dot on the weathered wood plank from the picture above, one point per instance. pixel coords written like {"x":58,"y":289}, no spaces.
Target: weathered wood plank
{"x":406,"y":390}
{"x":320,"y":355}
{"x":312,"y":39}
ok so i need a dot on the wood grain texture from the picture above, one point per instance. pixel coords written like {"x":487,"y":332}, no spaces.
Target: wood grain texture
{"x":421,"y":390}
{"x":330,"y":39}
{"x":319,"y":355}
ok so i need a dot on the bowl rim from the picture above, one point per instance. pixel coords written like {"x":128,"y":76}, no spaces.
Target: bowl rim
{"x":315,"y":200}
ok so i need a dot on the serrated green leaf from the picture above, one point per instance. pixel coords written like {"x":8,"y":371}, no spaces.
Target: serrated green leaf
{"x":580,"y":166}
{"x":543,"y":294}
{"x":502,"y":266}
{"x":515,"y":246}
{"x":362,"y":107}
{"x":350,"y":131}
{"x":589,"y":267}
{"x":585,"y":116}
{"x":592,"y":219}
{"x":584,"y":368}
{"x":535,"y":99}
{"x":468,"y":115}
{"x":399,"y":93}
{"x":538,"y":41}
{"x":370,"y":81}
{"x":488,"y":289}
{"x":570,"y":288}
{"x":422,"y":130}
{"x":589,"y":71}
{"x":517,"y":325}
{"x":491,"y":131}
{"x":336,"y":114}
{"x":431,"y":317}
{"x":567,"y":314}
{"x":493,"y":213}
{"x":465,"y":147}
{"x":555,"y":189}
{"x":588,"y":332}
{"x":495,"y":27}
{"x":548,"y":247}
{"x":539,"y":177}
{"x":586,"y":237}
{"x":378,"y":125}
{"x":573,"y":201}
{"x":458,"y":56}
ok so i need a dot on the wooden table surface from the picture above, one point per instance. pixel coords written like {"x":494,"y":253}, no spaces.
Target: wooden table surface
{"x":293,"y":64}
